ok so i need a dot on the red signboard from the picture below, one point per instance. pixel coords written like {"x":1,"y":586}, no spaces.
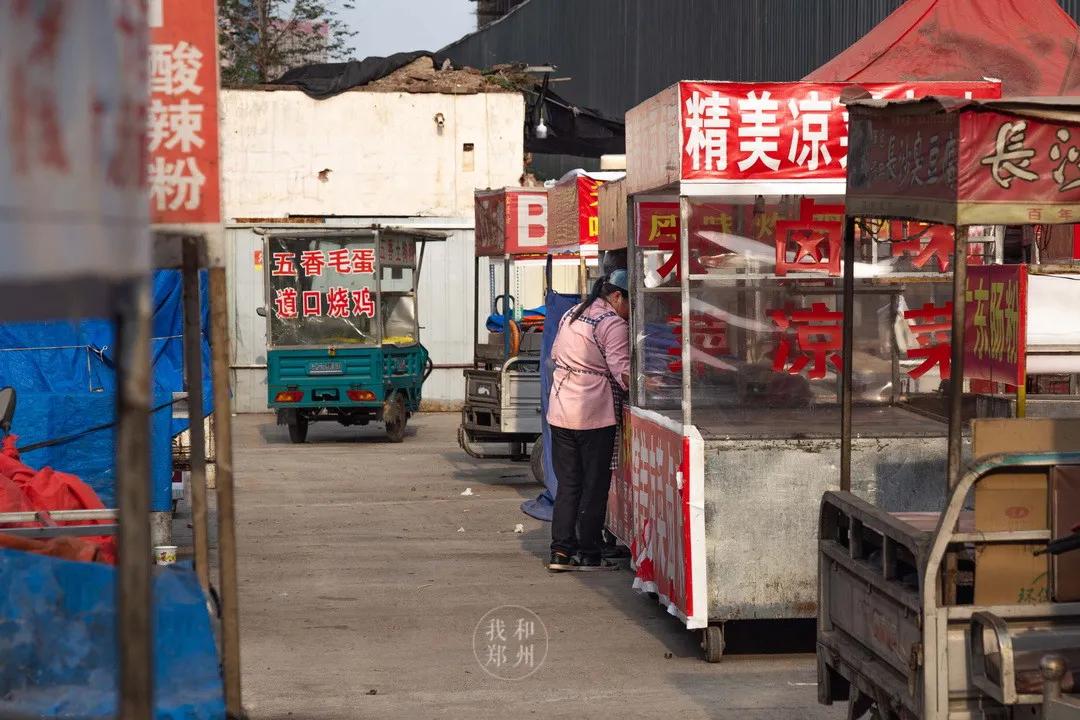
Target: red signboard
{"x":1029,"y":165}
{"x":995,"y":324}
{"x":182,"y":122}
{"x":511,"y":221}
{"x":668,"y":533}
{"x":781,"y":131}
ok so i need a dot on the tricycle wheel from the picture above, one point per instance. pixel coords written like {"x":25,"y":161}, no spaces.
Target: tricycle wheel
{"x":395,"y":416}
{"x":712,"y":642}
{"x":536,"y":460}
{"x":298,"y":430}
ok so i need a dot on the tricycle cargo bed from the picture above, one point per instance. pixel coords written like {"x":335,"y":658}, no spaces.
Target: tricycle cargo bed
{"x":897,"y":625}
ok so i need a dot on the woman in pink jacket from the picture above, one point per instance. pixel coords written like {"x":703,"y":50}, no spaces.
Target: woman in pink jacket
{"x":591,"y":358}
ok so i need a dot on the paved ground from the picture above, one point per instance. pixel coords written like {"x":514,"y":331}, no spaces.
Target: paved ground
{"x":365,"y":572}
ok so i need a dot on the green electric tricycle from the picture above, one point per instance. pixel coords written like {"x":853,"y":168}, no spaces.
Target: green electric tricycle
{"x":342,"y":326}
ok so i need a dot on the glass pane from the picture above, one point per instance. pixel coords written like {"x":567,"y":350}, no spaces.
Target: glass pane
{"x":322,"y":291}
{"x":766,"y":322}
{"x":659,"y":367}
{"x":399,"y":319}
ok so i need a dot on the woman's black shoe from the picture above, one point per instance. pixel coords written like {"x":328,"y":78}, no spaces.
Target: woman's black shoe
{"x":561,"y":562}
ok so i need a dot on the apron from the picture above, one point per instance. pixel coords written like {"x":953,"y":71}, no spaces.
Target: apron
{"x":618,"y":395}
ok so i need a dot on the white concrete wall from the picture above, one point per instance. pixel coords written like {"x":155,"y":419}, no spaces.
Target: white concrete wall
{"x":388,"y":163}
{"x":384,"y":152}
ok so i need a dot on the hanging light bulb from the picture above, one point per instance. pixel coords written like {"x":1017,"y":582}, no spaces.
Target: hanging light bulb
{"x":541,"y":128}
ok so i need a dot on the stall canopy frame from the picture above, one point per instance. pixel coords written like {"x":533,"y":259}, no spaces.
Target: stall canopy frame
{"x":961,"y":194}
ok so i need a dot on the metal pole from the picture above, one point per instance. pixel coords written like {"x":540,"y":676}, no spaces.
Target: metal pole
{"x":635,"y":267}
{"x":230,"y":612}
{"x":847,"y":401}
{"x":956,"y":381}
{"x":194,"y":379}
{"x":506,"y":306}
{"x":684,"y":293}
{"x":134,"y":594}
{"x":476,"y":308}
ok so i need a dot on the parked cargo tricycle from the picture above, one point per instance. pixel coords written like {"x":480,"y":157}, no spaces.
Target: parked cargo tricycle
{"x":342,"y":327}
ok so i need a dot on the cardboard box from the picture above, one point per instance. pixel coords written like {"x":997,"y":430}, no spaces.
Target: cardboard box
{"x":1065,"y":515}
{"x":1012,"y":574}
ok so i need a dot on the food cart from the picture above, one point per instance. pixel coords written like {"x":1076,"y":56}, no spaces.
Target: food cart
{"x":960,"y":613}
{"x":343,"y":327}
{"x":502,"y":389}
{"x":735,"y":214}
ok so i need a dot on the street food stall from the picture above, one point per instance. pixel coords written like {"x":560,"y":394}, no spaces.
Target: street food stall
{"x":502,"y":389}
{"x":970,"y":610}
{"x":735,"y":215}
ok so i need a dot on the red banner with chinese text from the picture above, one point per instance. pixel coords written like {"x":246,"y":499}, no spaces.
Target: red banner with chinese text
{"x":1027,"y":166}
{"x":660,"y":548}
{"x":338,"y":271}
{"x":781,"y":131}
{"x":995,"y":324}
{"x":182,"y":122}
{"x":588,"y":210}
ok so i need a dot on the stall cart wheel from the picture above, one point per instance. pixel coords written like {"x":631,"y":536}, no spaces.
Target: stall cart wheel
{"x":536,"y":460}
{"x":712,"y":642}
{"x":298,"y":430}
{"x":396,"y":417}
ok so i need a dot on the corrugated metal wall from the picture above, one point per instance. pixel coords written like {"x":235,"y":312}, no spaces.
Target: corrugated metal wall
{"x":620,"y":52}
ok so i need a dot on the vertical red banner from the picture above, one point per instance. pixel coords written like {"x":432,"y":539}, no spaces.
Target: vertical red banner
{"x":659,"y":546}
{"x":588,"y":210}
{"x":995,"y":324}
{"x":182,"y":120}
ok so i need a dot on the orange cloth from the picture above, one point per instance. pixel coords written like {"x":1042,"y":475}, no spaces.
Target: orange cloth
{"x":24,"y":489}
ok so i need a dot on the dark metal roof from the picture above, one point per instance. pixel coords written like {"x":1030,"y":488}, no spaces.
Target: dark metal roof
{"x":620,"y":52}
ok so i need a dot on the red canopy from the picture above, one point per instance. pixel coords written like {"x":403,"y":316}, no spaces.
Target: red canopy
{"x":1030,"y":45}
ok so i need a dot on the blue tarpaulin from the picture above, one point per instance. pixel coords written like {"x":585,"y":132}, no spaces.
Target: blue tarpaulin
{"x":58,"y":639}
{"x":64,"y":374}
{"x":555,"y":306}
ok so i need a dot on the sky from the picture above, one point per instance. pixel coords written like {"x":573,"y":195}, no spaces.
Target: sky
{"x":384,"y":27}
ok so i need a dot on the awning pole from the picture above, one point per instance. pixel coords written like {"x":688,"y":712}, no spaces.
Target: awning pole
{"x":956,"y":381}
{"x":194,"y":378}
{"x":134,"y":595}
{"x":846,"y":400}
{"x":226,"y":505}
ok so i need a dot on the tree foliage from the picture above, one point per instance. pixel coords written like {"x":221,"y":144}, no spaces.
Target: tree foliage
{"x":261,"y":39}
